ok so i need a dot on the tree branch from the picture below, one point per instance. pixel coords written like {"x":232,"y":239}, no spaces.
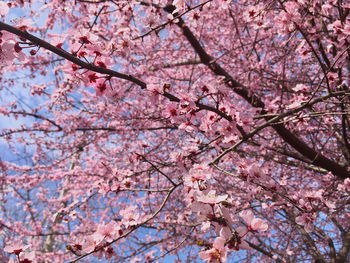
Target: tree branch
{"x":62,"y":53}
{"x":299,"y":145}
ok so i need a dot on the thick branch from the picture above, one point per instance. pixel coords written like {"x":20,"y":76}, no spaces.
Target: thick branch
{"x":299,"y":145}
{"x":343,"y":254}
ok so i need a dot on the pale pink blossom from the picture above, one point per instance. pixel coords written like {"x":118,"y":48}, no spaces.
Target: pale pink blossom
{"x":254,"y":224}
{"x":326,"y":9}
{"x":205,"y":226}
{"x":217,"y":253}
{"x":171,"y":111}
{"x":187,"y":126}
{"x":27,"y":257}
{"x":292,"y":9}
{"x":90,"y":243}
{"x":130,"y":216}
{"x":211,"y":198}
{"x":253,"y":12}
{"x":16,"y":248}
{"x":300,"y":88}
{"x":336,"y":26}
{"x":106,"y":232}
{"x":3,"y":8}
{"x":306,"y":220}
{"x":198,"y":175}
{"x":180,"y":5}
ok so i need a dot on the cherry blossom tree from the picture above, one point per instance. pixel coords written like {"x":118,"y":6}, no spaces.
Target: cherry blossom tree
{"x":176,"y":131}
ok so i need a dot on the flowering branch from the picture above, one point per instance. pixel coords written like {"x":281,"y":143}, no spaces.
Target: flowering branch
{"x":72,"y":58}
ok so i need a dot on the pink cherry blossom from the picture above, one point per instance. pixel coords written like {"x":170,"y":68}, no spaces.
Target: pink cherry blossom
{"x":130,"y":217}
{"x":254,"y":224}
{"x":16,"y":248}
{"x":3,"y":8}
{"x":211,"y":198}
{"x":106,"y":232}
{"x":306,"y":220}
{"x":139,"y":130}
{"x":27,"y":257}
{"x":217,"y":253}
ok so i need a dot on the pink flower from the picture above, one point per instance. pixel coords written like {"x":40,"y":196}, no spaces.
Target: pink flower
{"x":198,"y":173}
{"x":171,"y":111}
{"x":211,"y":199}
{"x":187,"y":126}
{"x":217,"y":253}
{"x":137,"y":259}
{"x":130,"y":216}
{"x":106,"y":232}
{"x":180,"y":5}
{"x":300,"y":88}
{"x":254,"y":224}
{"x":306,"y":220}
{"x":253,"y":13}
{"x":326,"y":8}
{"x":336,"y":27}
{"x":149,"y":256}
{"x":16,"y":248}
{"x":9,"y":49}
{"x":27,"y":257}
{"x":90,"y":243}
{"x":3,"y":8}
{"x":100,"y":86}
